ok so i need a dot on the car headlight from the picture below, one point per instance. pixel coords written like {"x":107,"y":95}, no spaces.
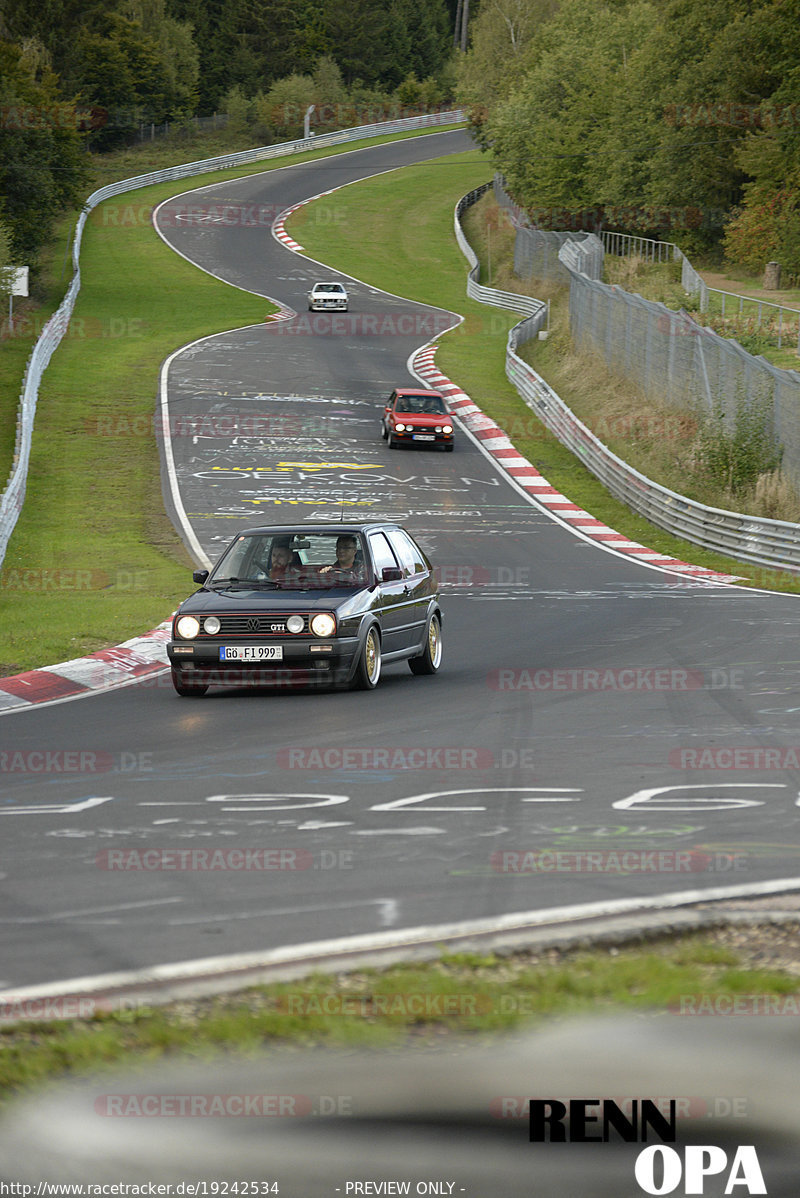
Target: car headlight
{"x":211,"y":625}
{"x":323,"y":625}
{"x":399,"y":428}
{"x":447,"y":428}
{"x":187,"y":627}
{"x":295,"y":623}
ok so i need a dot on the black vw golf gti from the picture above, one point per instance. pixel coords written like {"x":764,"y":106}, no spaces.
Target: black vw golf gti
{"x":309,"y":604}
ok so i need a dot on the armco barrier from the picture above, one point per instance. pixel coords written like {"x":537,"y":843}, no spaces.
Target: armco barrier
{"x":489,"y":295}
{"x":774,"y":543}
{"x":13,"y":497}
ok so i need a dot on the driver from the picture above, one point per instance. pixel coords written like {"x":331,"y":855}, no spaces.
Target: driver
{"x":346,"y":549}
{"x":280,"y":561}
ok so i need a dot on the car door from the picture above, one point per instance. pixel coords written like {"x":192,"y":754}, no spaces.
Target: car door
{"x":417,"y":582}
{"x":396,"y":602}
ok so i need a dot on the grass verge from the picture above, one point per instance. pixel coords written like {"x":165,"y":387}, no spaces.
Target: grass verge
{"x":399,"y":238}
{"x":450,"y":1003}
{"x":94,"y":559}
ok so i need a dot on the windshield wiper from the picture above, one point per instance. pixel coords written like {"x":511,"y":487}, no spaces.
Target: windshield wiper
{"x":244,"y":582}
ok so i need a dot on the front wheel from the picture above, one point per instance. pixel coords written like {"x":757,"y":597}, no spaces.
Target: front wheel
{"x":384,"y":431}
{"x":431,"y":657}
{"x":187,"y":690}
{"x":369,"y":663}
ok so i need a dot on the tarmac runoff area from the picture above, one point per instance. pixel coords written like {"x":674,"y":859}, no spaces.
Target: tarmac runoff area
{"x":745,"y":914}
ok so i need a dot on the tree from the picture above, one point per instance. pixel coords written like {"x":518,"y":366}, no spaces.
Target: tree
{"x":491,"y":68}
{"x":41,"y":162}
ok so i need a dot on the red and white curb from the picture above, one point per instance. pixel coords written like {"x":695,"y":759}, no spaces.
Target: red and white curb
{"x":497,"y":443}
{"x":279,"y":224}
{"x":279,"y":227}
{"x":107,"y":669}
{"x":284,"y":313}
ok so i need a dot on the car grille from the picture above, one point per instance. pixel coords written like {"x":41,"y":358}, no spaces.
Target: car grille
{"x":255,"y":624}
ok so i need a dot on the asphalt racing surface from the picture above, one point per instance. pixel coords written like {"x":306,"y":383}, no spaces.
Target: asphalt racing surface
{"x":587,"y":705}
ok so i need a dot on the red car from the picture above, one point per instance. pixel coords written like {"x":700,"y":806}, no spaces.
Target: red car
{"x":417,"y":417}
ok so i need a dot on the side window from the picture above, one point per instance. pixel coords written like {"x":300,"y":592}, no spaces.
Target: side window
{"x":402,"y":548}
{"x":420,"y":565}
{"x":381,"y":552}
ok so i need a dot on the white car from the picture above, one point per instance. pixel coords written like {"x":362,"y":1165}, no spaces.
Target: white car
{"x":324,"y":296}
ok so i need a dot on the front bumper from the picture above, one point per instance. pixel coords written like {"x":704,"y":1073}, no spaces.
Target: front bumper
{"x":328,"y":305}
{"x":199,"y":661}
{"x":422,"y":436}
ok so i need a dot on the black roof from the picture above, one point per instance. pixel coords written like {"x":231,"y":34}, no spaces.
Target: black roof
{"x":284,"y":530}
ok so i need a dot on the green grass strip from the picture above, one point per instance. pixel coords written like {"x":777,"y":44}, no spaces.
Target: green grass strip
{"x":94,"y":559}
{"x":448,"y":1003}
{"x":396,"y":232}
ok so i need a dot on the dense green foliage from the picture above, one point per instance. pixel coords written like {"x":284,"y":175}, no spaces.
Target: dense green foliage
{"x":174,"y":56}
{"x":41,"y":165}
{"x":662,"y":117}
{"x":78,"y":74}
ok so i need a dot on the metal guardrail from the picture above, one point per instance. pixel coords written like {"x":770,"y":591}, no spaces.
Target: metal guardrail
{"x":13,"y":496}
{"x":475,"y":290}
{"x":773,"y":543}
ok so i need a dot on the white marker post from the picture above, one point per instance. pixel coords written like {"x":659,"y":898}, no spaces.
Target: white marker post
{"x":16,"y":277}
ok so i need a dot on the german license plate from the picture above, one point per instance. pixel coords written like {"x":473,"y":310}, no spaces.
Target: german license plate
{"x":251,"y":653}
{"x":423,"y":437}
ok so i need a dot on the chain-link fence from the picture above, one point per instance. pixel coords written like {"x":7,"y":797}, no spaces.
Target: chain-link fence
{"x":774,"y":543}
{"x":536,"y":251}
{"x":671,"y":357}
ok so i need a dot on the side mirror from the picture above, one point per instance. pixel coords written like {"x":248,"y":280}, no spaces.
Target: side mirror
{"x":391,"y":574}
{"x":200,"y":576}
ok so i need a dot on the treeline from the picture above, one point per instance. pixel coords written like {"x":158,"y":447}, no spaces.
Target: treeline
{"x":77,"y":74}
{"x":668,"y":119}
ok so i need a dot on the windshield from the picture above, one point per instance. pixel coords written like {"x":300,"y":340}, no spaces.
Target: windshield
{"x":297,"y":561}
{"x":337,"y":287}
{"x":419,"y":405}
